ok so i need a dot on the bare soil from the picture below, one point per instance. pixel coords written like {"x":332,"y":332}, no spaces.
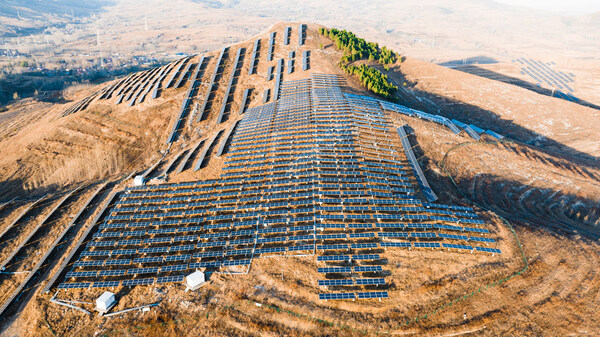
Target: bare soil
{"x":548,"y":190}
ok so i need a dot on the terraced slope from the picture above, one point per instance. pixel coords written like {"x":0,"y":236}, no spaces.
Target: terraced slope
{"x":546,"y":193}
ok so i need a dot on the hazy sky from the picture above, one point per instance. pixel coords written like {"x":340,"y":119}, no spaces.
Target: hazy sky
{"x":570,"y":7}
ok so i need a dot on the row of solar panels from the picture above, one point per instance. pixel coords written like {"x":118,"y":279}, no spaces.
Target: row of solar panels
{"x":289,"y":138}
{"x":357,"y":269}
{"x":253,"y":60}
{"x":228,"y":93}
{"x":471,"y":129}
{"x":391,"y":213}
{"x":231,"y":251}
{"x":314,"y":120}
{"x":543,"y":73}
{"x":267,"y":202}
{"x":192,"y":226}
{"x":348,"y":216}
{"x":271,"y":46}
{"x":352,"y":296}
{"x":145,"y":240}
{"x":371,"y":204}
{"x":186,"y":101}
{"x":352,"y":282}
{"x":313,"y":131}
{"x":306,"y":173}
{"x":146,"y":190}
{"x":412,"y":159}
{"x":315,"y":155}
{"x":248,"y":251}
{"x":211,"y":86}
{"x":305,"y":60}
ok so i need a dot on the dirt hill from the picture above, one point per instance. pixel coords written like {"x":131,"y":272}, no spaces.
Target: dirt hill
{"x":538,"y":189}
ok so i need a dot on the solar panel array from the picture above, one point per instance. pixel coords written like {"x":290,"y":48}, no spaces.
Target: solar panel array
{"x":414,"y":164}
{"x":185,"y":74}
{"x":254,"y":59}
{"x":135,"y":87}
{"x":176,"y":72}
{"x":211,"y":85}
{"x":269,"y":76}
{"x":244,"y":102}
{"x":467,"y":128}
{"x":152,"y":83}
{"x":228,"y":92}
{"x":82,"y":104}
{"x":271,"y":47}
{"x":278,"y":78}
{"x":306,"y":60}
{"x":142,"y":86}
{"x":189,"y":98}
{"x":287,"y":35}
{"x":205,"y":154}
{"x":301,"y":34}
{"x":184,"y":161}
{"x":542,"y":73}
{"x":226,"y":139}
{"x":158,"y":84}
{"x":314,"y":172}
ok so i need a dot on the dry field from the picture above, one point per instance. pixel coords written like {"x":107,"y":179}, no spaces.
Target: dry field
{"x":543,"y":180}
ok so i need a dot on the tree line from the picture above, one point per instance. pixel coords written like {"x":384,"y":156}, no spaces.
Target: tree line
{"x":372,"y":79}
{"x":356,"y":48}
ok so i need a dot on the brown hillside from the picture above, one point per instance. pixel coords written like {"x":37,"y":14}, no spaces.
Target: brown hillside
{"x":544,"y":179}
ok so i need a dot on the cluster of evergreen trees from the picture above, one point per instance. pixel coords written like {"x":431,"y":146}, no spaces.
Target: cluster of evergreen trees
{"x":357,"y":48}
{"x":372,"y":79}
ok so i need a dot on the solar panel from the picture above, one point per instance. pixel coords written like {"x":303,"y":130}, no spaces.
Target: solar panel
{"x":236,"y":262}
{"x":74,"y":285}
{"x":301,"y":247}
{"x":106,"y":284}
{"x":427,"y":245}
{"x":333,"y":258}
{"x":337,"y":296}
{"x":481,"y":239}
{"x":82,"y":273}
{"x":179,"y":267}
{"x":364,"y":245}
{"x":334,"y":270}
{"x":136,"y":282}
{"x":361,"y":269}
{"x":451,"y":245}
{"x":332,"y":247}
{"x":488,"y":250}
{"x":269,"y":250}
{"x":113,"y":272}
{"x":344,"y":282}
{"x":369,"y":281}
{"x":178,"y":257}
{"x":150,"y":259}
{"x":149,"y":270}
{"x":373,"y":294}
{"x":365,"y":257}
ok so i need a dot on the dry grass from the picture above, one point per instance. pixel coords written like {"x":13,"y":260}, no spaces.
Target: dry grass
{"x":549,"y":197}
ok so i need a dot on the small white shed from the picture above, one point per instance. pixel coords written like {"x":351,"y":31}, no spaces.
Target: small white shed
{"x":195,"y":280}
{"x":138,"y":181}
{"x":105,"y":302}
